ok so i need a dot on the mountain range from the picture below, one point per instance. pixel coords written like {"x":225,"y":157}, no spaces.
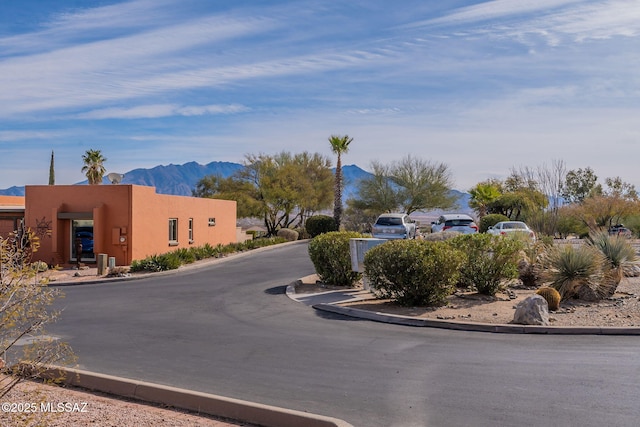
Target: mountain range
{"x":180,"y":180}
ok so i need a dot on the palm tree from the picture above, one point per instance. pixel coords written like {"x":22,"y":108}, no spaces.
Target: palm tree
{"x":482,"y":195}
{"x":93,"y":166}
{"x":339,"y":145}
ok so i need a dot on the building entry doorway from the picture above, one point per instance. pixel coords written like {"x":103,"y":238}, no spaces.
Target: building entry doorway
{"x":82,"y":240}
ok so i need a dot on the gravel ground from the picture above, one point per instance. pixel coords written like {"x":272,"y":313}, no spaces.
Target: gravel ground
{"x":35,"y":404}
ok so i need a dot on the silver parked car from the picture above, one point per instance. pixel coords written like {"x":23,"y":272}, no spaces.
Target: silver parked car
{"x":454,"y":222}
{"x":394,"y":226}
{"x":504,"y":228}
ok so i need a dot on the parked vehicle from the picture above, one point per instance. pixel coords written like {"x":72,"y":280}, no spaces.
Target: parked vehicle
{"x":504,"y":228}
{"x":454,"y":222}
{"x":620,"y":230}
{"x":394,"y":226}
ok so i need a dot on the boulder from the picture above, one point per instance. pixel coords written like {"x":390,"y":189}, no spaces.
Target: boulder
{"x":533,"y":310}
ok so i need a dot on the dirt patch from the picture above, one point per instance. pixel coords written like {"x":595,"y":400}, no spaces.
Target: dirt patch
{"x":621,"y":310}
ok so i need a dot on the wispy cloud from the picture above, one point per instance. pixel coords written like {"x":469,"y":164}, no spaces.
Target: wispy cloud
{"x":222,"y":79}
{"x":162,"y":110}
{"x":551,"y":20}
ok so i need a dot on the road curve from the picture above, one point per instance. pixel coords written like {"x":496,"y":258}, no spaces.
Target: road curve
{"x":229,"y":329}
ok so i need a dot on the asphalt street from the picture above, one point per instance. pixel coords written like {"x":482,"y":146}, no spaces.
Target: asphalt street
{"x":229,"y":329}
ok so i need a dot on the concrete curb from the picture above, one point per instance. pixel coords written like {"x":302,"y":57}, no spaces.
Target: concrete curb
{"x":478,"y":327}
{"x":235,"y":409}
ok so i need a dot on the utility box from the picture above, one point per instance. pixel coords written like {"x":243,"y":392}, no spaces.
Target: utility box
{"x":358,"y":247}
{"x":102,"y":264}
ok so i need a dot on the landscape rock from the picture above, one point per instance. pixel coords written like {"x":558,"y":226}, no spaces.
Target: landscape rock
{"x":533,"y":310}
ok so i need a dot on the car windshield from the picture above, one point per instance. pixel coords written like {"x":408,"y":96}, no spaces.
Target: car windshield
{"x":389,"y":221}
{"x":513,"y":226}
{"x":458,"y":222}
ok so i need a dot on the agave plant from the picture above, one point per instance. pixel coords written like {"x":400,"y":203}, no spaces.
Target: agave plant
{"x":569,"y":269}
{"x":618,"y":253}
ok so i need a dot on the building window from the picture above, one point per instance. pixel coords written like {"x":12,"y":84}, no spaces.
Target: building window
{"x":190,"y":230}
{"x":173,"y":231}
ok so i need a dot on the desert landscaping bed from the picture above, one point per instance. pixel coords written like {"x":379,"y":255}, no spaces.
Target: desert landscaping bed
{"x":621,"y":310}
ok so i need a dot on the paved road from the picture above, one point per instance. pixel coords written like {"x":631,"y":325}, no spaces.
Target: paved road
{"x":229,"y":329}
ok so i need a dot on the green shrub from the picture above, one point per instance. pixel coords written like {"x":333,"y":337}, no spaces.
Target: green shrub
{"x":490,"y":260}
{"x":319,"y":224}
{"x":173,"y":260}
{"x":153,"y":263}
{"x":331,"y":257}
{"x":288,"y":234}
{"x":490,"y":220}
{"x":413,"y":272}
{"x":186,"y":256}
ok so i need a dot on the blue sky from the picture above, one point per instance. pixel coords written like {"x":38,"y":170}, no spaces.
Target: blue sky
{"x":480,"y":86}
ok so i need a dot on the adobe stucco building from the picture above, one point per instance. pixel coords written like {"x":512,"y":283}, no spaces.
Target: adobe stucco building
{"x":128,"y":222}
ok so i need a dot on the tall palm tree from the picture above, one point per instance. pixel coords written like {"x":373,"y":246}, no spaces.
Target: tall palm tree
{"x":339,"y":145}
{"x":93,"y":166}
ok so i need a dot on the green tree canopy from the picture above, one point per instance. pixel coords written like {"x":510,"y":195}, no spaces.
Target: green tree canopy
{"x":282,"y":189}
{"x":579,"y":184}
{"x":410,"y":185}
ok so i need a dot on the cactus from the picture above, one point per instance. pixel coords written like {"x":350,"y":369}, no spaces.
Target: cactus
{"x":551,"y":296}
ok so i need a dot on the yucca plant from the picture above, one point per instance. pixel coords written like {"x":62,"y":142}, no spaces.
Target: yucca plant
{"x":618,"y":254}
{"x":568,"y":269}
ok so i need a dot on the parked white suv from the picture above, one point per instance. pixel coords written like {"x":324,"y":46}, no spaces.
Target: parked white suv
{"x":394,"y":226}
{"x":454,"y":222}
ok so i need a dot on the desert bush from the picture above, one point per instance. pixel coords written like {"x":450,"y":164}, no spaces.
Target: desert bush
{"x":39,"y":266}
{"x":119,"y":271}
{"x":618,"y":255}
{"x":24,"y":312}
{"x":490,"y":220}
{"x":288,"y":234}
{"x":302,"y":233}
{"x":530,"y":263}
{"x":331,"y":257}
{"x":441,"y":236}
{"x":490,"y":260}
{"x":568,"y":268}
{"x":319,"y":224}
{"x":413,"y":272}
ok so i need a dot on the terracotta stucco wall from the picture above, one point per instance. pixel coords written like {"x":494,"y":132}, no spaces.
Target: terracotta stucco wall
{"x":107,"y":205}
{"x":150,"y":221}
{"x":130,"y":221}
{"x":12,"y":200}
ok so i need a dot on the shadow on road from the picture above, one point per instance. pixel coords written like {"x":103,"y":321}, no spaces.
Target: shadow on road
{"x":335,"y":316}
{"x":278,"y":290}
